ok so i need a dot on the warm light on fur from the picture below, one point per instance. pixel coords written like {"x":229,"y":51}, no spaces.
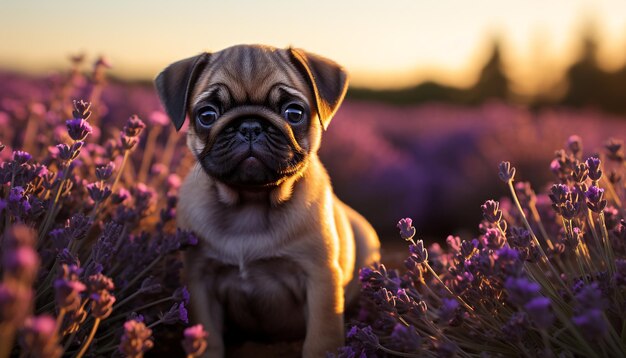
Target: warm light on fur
{"x":278,"y":259}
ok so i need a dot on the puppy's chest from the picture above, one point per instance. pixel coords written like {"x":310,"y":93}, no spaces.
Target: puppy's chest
{"x":267,"y":297}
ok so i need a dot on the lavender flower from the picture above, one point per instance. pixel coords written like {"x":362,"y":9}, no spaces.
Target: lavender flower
{"x":102,"y":304}
{"x":21,"y":157}
{"x":98,"y":191}
{"x":595,"y":200}
{"x":364,"y":335}
{"x":68,"y":288}
{"x":39,"y":338}
{"x":419,"y":252}
{"x":574,"y":143}
{"x":177,"y":313}
{"x":595,"y":173}
{"x":78,"y":129}
{"x":614,"y":147}
{"x":136,"y":339}
{"x":14,"y":304}
{"x":181,"y":294}
{"x":194,"y":342}
{"x":491,"y":211}
{"x":591,"y":322}
{"x":521,"y":290}
{"x":538,"y":310}
{"x":507,"y":172}
{"x":407,"y":231}
{"x":81,"y":109}
{"x":405,"y":339}
{"x":19,"y":260}
{"x":104,"y":172}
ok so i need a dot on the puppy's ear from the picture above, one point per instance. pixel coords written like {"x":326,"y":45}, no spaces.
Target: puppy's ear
{"x":328,"y":80}
{"x":175,"y":83}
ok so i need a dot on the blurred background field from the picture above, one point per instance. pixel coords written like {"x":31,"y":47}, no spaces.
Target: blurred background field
{"x":437,"y":100}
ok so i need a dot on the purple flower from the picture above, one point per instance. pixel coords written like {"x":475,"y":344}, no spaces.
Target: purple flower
{"x":39,"y":339}
{"x":581,"y":172}
{"x":98,"y":283}
{"x":177,"y":313}
{"x":495,"y":239}
{"x":133,"y":126}
{"x":104,"y":172}
{"x":194,"y":341}
{"x":407,"y":231}
{"x":19,"y":259}
{"x":128,"y":143}
{"x":67,"y":288}
{"x":491,"y":211}
{"x":508,"y":262}
{"x":559,"y":193}
{"x":419,"y":252}
{"x":81,"y":109}
{"x":521,"y":290}
{"x":14,"y":304}
{"x":67,"y":153}
{"x":136,"y":339}
{"x":102,"y":304}
{"x":592,"y":323}
{"x":516,"y":327}
{"x":98,"y":191}
{"x":78,"y":129}
{"x":364,"y":335}
{"x":21,"y":157}
{"x":506,"y":172}
{"x":448,"y":310}
{"x":21,"y":264}
{"x":520,"y":237}
{"x":574,"y":143}
{"x":595,"y":201}
{"x":595,"y":173}
{"x":454,"y":243}
{"x":405,"y":339}
{"x":151,"y":284}
{"x":468,"y":248}
{"x":181,"y":294}
{"x":539,"y":312}
{"x":614,"y":147}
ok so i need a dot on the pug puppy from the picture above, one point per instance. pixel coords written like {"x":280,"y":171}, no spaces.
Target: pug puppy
{"x":279,"y":253}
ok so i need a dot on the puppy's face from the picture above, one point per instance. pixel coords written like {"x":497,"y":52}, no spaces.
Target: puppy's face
{"x":256,"y":113}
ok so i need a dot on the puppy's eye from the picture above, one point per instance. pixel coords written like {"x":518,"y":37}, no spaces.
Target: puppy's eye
{"x":294,"y":113}
{"x":207,"y":116}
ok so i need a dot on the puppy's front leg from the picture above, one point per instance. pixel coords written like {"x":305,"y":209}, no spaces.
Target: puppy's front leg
{"x":204,"y":307}
{"x":324,"y":329}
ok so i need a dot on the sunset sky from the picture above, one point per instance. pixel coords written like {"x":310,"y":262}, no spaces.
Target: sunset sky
{"x":382,"y":43}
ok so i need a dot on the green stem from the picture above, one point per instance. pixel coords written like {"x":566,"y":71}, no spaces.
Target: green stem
{"x":120,"y":171}
{"x":607,"y":244}
{"x":148,"y":305}
{"x":50,"y":213}
{"x":85,"y":345}
{"x":533,"y":236}
{"x":141,"y":274}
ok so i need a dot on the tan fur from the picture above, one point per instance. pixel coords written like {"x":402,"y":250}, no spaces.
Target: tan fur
{"x":282,"y":261}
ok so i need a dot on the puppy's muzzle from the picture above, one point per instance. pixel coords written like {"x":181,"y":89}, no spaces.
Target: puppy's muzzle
{"x":249,"y":130}
{"x":251,"y":121}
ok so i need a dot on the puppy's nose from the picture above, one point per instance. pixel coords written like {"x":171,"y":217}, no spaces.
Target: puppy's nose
{"x":250,"y":129}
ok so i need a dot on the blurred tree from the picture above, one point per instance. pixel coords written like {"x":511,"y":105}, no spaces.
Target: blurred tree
{"x":493,"y":82}
{"x":585,"y":80}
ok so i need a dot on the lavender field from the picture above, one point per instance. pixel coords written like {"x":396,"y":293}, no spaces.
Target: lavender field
{"x":90,"y":250}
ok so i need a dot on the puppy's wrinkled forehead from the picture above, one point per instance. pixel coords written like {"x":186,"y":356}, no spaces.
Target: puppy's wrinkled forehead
{"x":250,"y":73}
